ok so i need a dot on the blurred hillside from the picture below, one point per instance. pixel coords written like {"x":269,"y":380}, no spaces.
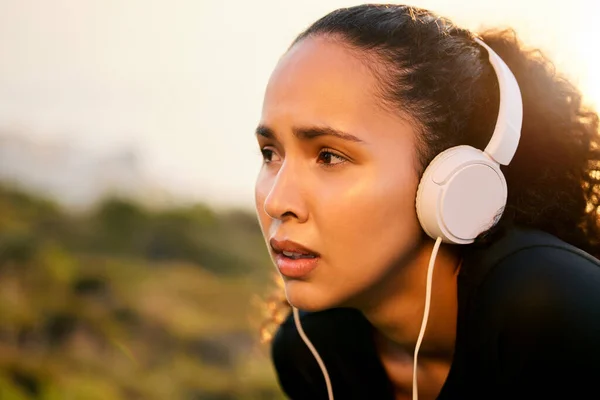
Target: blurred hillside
{"x":74,"y":176}
{"x":125,"y":303}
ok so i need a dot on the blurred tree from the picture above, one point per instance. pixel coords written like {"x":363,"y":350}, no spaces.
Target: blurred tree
{"x":127,"y":303}
{"x":120,"y":226}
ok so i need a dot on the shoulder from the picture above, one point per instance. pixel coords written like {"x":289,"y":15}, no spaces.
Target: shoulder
{"x":544,"y":276}
{"x":537,"y":313}
{"x":339,"y":337}
{"x":323,"y":327}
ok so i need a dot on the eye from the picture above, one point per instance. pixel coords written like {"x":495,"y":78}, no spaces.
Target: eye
{"x":269,"y":155}
{"x":330,"y":158}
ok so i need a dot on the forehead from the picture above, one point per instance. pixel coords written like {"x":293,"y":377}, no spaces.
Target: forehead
{"x":320,"y":77}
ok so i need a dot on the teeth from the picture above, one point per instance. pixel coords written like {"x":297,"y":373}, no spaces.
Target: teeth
{"x":291,"y":254}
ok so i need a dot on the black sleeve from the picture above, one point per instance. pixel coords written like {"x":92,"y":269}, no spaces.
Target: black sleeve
{"x":343,"y":339}
{"x":544,"y":316}
{"x":297,"y":372}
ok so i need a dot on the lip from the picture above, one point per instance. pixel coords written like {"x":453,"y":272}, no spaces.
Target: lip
{"x":293,"y":268}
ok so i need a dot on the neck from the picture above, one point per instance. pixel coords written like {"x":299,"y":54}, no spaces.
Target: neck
{"x":396,"y":306}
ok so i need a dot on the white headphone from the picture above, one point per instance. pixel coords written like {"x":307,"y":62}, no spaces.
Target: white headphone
{"x":463,"y":192}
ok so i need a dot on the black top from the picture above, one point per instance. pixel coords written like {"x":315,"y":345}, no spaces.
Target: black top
{"x":528,"y":327}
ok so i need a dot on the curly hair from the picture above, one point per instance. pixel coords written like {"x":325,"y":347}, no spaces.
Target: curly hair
{"x":432,"y":72}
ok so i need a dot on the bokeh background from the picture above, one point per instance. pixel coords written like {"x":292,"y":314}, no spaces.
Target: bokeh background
{"x":131,"y":262}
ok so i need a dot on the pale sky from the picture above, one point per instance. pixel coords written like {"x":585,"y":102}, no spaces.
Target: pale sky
{"x":182,"y":81}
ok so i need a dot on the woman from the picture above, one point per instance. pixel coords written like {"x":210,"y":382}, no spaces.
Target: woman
{"x":353,"y":114}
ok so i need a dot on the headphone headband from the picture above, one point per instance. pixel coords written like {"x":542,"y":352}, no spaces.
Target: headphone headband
{"x":505,"y":139}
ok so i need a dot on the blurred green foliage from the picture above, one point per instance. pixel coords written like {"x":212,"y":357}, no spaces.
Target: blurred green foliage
{"x":124,"y":302}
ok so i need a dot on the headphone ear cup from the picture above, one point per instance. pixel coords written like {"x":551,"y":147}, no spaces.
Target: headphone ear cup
{"x":462,"y":193}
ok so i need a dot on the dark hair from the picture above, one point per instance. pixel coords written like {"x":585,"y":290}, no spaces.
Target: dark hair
{"x":435,"y":74}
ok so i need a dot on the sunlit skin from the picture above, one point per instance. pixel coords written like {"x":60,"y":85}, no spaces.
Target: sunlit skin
{"x":340,"y":177}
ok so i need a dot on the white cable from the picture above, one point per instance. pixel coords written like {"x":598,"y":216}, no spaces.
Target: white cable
{"x":438,"y":241}
{"x":313,"y":351}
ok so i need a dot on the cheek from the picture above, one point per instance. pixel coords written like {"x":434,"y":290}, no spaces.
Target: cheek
{"x":372,"y":198}
{"x":372,"y":223}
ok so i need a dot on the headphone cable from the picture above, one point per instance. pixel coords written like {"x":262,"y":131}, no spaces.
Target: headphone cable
{"x":436,"y":247}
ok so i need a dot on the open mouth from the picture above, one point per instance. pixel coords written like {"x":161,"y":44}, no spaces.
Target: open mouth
{"x":294,"y":260}
{"x":297,"y":256}
{"x":291,"y":249}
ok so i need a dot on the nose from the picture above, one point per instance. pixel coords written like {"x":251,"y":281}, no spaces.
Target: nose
{"x":286,"y":199}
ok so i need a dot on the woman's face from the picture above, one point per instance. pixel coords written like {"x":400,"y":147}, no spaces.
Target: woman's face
{"x":336,"y":193}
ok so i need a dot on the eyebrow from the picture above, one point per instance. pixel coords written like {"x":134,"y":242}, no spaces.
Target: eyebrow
{"x":309,"y":132}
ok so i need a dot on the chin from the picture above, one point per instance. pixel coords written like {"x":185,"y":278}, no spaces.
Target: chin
{"x":306,"y":297}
